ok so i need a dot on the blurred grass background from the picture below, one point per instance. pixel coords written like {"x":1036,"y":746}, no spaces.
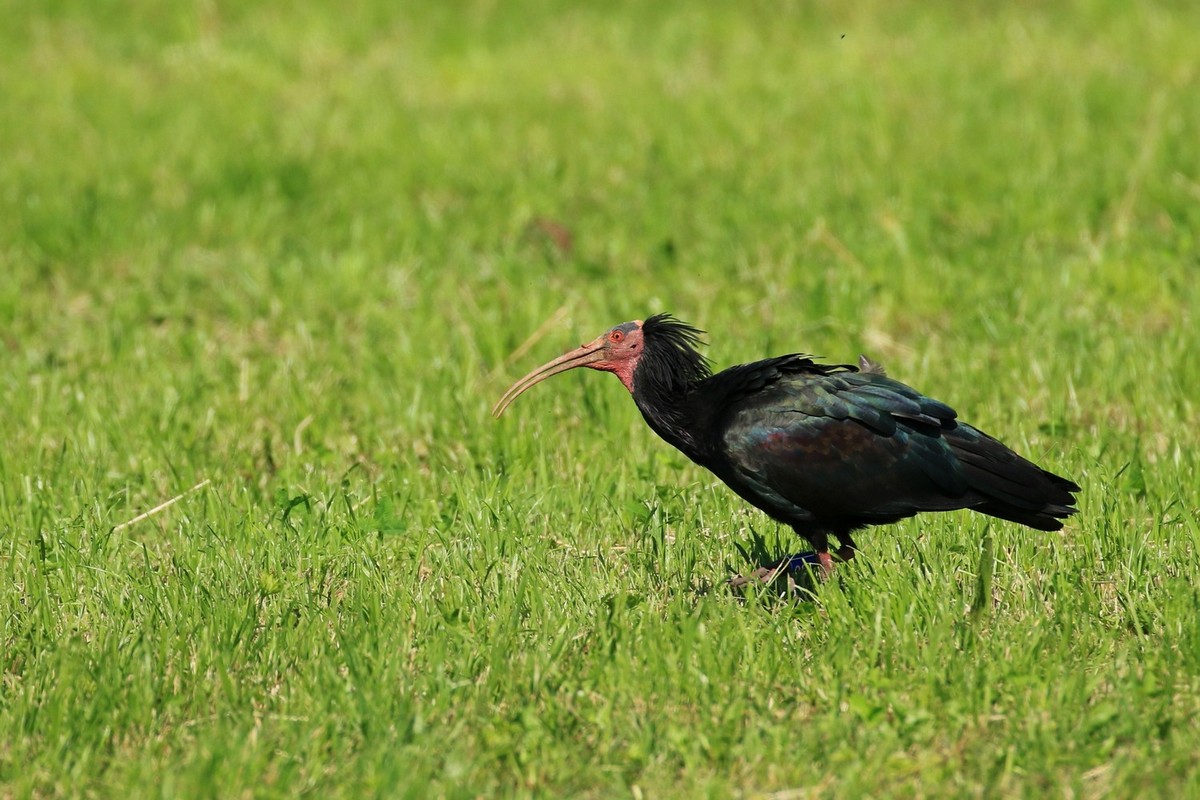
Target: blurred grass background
{"x":291,"y":251}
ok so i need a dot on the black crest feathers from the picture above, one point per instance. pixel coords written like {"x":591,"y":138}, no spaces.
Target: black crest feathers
{"x":672,"y":360}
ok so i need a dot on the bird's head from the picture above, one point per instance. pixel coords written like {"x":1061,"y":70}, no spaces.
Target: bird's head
{"x":662,"y":345}
{"x":617,"y":351}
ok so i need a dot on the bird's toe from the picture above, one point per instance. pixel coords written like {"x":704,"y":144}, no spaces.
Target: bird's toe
{"x":793,"y":569}
{"x":760,"y":575}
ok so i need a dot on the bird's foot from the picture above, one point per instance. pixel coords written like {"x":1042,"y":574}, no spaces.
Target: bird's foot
{"x":766,"y":576}
{"x":787,"y":567}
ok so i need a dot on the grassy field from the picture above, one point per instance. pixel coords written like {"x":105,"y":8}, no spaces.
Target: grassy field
{"x":278,"y":262}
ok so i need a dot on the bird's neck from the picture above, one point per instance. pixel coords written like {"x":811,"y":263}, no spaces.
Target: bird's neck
{"x":667,"y":411}
{"x":663,"y":384}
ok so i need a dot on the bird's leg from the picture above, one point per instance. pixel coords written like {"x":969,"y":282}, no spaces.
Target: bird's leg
{"x":826,"y":562}
{"x":809,"y":558}
{"x":817,"y":557}
{"x":847,"y":547}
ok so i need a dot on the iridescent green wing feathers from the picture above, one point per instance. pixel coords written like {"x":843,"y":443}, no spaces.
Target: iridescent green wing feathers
{"x":848,"y":448}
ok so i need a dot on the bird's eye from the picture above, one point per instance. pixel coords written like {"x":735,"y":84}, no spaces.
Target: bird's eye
{"x":617,"y":336}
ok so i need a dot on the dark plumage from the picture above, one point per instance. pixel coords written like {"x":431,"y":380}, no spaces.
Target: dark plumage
{"x":826,"y":449}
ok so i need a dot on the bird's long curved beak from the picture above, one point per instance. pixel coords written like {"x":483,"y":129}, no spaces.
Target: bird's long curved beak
{"x":579,"y":357}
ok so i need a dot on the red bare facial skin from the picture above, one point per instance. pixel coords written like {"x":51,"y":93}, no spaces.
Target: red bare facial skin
{"x":622,"y":347}
{"x":617,"y":352}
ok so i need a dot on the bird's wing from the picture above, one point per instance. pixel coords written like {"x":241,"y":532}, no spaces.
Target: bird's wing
{"x":827,"y":442}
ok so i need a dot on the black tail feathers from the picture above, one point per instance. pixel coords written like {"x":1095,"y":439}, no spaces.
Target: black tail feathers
{"x":1009,"y":486}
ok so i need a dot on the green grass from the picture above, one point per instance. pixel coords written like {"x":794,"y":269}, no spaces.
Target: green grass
{"x":290,"y":252}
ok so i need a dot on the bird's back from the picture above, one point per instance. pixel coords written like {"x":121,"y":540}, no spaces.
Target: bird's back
{"x":830,"y":447}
